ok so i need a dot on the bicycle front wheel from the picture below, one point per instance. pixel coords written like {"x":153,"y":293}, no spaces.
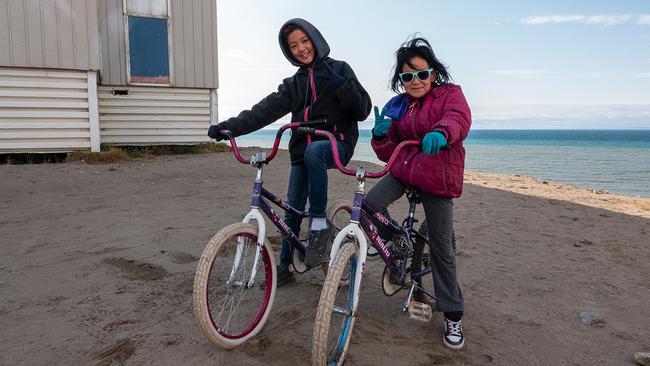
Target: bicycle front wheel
{"x":335,"y":317}
{"x":339,"y":214}
{"x":229,"y":307}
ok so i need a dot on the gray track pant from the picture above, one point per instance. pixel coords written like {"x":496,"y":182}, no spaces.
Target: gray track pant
{"x":439,"y":212}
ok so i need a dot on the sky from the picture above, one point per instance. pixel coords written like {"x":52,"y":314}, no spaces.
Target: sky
{"x":551,"y":64}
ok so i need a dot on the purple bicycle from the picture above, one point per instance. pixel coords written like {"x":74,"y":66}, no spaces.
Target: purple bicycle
{"x":404,"y":255}
{"x":235,"y":282}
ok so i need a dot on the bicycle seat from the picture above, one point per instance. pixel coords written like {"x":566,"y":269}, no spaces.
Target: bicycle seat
{"x":413,"y":193}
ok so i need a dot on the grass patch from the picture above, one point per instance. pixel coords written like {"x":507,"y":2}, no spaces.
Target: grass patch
{"x":112,"y":154}
{"x":149,"y":151}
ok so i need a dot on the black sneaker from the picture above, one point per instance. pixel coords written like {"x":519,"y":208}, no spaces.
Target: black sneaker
{"x":318,"y":240}
{"x":453,"y":337}
{"x":284,"y":276}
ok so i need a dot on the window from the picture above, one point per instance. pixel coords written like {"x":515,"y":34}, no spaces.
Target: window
{"x":148,"y":43}
{"x":156,"y":8}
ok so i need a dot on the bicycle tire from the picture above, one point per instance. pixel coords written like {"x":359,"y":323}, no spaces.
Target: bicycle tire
{"x":339,"y":216}
{"x":324,"y":332}
{"x":336,"y":214}
{"x":214,"y":297}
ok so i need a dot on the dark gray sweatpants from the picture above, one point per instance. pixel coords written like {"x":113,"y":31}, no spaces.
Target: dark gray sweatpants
{"x":439,"y":212}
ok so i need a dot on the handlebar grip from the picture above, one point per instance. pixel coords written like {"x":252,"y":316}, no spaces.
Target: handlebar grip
{"x":314,"y":122}
{"x":306,"y":130}
{"x":227,"y":133}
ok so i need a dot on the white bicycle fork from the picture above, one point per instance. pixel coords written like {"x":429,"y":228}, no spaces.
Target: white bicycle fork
{"x":254,"y":214}
{"x":353,"y":230}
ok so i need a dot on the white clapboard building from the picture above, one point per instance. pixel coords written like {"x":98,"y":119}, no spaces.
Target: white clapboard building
{"x":77,"y":74}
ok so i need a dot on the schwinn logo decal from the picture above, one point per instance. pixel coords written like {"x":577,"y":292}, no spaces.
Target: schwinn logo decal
{"x":375,"y":237}
{"x":381,"y":218}
{"x":283,"y":225}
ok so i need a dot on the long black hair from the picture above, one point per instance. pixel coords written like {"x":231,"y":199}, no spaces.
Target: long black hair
{"x":417,"y":47}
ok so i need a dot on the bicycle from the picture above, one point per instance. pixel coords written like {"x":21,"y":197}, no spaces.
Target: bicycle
{"x":406,"y":264}
{"x":235,"y":281}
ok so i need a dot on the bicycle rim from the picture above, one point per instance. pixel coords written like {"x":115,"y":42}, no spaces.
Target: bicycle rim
{"x":231,"y":310}
{"x":335,"y":318}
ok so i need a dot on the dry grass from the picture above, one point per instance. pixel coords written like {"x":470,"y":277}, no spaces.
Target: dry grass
{"x":125,"y":153}
{"x":149,"y":151}
{"x":112,"y":154}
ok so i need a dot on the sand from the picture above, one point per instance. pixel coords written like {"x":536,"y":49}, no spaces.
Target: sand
{"x":98,"y":261}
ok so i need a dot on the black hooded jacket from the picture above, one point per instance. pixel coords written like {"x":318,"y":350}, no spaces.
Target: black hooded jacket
{"x":343,"y":107}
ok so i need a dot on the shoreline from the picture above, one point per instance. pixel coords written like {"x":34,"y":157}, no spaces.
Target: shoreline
{"x":630,"y":205}
{"x":544,"y":188}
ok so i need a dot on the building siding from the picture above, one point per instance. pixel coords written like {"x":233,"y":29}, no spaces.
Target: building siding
{"x":60,"y":34}
{"x":193,"y":51}
{"x":153,"y":115}
{"x":43,"y":110}
{"x":111,"y":30}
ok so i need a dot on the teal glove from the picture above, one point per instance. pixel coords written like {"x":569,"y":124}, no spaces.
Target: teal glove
{"x":381,"y":123}
{"x":433,"y":142}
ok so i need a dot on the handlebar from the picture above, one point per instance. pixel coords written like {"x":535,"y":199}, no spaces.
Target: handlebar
{"x":337,"y":160}
{"x":276,"y":143}
{"x":301,"y":127}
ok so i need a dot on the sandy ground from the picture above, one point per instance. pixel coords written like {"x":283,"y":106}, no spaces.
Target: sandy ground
{"x":98,"y":261}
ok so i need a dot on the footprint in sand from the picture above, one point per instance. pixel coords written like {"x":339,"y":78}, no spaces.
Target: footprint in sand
{"x":182,"y":258}
{"x":118,"y":353}
{"x":135,"y":270}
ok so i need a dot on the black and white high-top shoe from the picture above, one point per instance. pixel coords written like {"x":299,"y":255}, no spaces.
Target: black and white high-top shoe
{"x":453,"y":337}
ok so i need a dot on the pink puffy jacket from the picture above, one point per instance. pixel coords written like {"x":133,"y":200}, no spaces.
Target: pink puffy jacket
{"x":443,"y":109}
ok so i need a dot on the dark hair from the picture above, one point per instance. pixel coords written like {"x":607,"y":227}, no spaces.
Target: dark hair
{"x":288,"y":29}
{"x":417,"y":47}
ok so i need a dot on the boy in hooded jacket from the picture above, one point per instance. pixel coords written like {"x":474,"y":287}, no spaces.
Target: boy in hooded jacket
{"x":321,"y":88}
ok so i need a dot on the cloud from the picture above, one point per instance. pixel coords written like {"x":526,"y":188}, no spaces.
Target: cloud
{"x":643,"y":75}
{"x":643,"y":19}
{"x":603,"y":20}
{"x":521,"y":72}
{"x":561,"y":116}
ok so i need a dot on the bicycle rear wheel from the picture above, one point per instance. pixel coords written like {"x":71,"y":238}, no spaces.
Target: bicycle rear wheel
{"x":228,"y":308}
{"x":335,"y":317}
{"x":421,"y":260}
{"x":424,"y":293}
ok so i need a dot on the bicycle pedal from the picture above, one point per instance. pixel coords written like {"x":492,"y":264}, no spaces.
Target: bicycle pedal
{"x":420,"y":311}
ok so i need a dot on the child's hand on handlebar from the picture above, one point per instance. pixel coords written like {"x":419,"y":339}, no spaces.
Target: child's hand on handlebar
{"x":433,"y":142}
{"x":382,"y":123}
{"x":214,"y":132}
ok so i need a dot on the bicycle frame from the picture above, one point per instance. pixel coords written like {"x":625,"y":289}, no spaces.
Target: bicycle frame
{"x":260,"y":207}
{"x":359,"y":224}
{"x":359,"y":216}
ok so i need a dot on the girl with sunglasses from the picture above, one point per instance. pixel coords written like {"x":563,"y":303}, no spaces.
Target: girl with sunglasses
{"x":434,"y":111}
{"x":321,"y":88}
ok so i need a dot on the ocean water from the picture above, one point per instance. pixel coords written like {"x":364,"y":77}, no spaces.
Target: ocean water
{"x":616,"y":161}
